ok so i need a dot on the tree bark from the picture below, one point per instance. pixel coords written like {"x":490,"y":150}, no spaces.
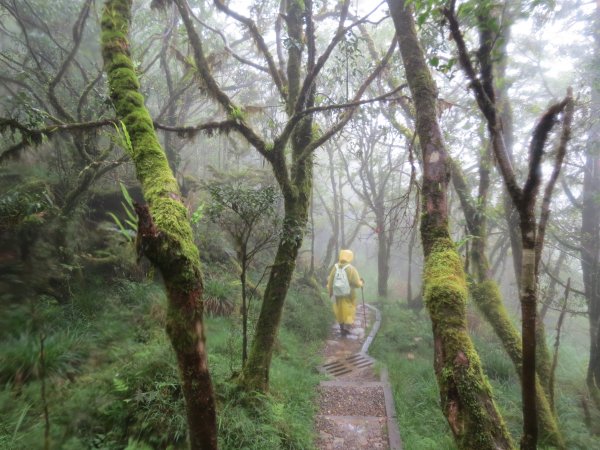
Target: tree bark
{"x":486,"y":294}
{"x":255,"y":374}
{"x":465,"y":393}
{"x":590,"y":227}
{"x":383,"y":259}
{"x":523,"y":197}
{"x":164,"y":231}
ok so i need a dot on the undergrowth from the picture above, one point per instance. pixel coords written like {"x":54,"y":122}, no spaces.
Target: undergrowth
{"x":112,"y":380}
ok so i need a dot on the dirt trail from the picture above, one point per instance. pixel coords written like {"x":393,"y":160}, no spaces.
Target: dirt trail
{"x":356,"y":408}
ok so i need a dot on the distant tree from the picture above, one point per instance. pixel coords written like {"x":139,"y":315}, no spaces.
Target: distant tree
{"x":374,"y":168}
{"x":249,"y":217}
{"x":590,"y":220}
{"x":291,"y":67}
{"x":337,"y":208}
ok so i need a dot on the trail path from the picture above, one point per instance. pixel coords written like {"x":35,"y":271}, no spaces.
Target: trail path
{"x":356,"y":407}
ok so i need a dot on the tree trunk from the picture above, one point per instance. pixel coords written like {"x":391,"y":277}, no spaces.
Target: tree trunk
{"x":164,"y":231}
{"x":486,"y":295}
{"x":311,"y":271}
{"x":465,"y":393}
{"x":528,"y":319}
{"x":543,"y":360}
{"x":255,"y":374}
{"x":411,"y":246}
{"x":590,"y":226}
{"x":342,"y":235}
{"x":296,"y":197}
{"x":244,"y":305}
{"x":383,"y":260}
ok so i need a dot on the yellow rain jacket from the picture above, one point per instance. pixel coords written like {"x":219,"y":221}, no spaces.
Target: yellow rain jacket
{"x":344,"y":307}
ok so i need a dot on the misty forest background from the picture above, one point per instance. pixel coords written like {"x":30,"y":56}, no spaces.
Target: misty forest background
{"x":288,"y":131}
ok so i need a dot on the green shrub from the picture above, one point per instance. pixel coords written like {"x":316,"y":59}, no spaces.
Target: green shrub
{"x":20,"y":356}
{"x":219,"y":295}
{"x":307,"y":314}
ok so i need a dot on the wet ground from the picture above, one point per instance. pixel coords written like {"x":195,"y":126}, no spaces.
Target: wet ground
{"x":356,"y":409}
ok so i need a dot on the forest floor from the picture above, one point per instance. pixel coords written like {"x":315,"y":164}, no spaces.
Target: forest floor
{"x":356,"y":408}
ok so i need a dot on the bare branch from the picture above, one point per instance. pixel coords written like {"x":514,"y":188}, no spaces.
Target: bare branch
{"x":278,"y":77}
{"x":228,"y":49}
{"x":77,"y":35}
{"x":348,"y":113}
{"x":486,"y":104}
{"x":538,"y":142}
{"x":213,"y":88}
{"x":558,"y":160}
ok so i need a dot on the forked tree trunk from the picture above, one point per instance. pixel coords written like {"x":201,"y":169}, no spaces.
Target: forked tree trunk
{"x":543,"y":359}
{"x":164,"y":231}
{"x":255,"y":374}
{"x":486,"y":295}
{"x":465,"y":393}
{"x":524,"y":197}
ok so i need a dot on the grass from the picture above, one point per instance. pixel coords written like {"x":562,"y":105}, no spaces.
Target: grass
{"x":114,"y":381}
{"x":404,"y":345}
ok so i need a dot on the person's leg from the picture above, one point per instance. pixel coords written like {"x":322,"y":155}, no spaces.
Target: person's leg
{"x":338,"y":310}
{"x":350,"y":313}
{"x":347,"y":313}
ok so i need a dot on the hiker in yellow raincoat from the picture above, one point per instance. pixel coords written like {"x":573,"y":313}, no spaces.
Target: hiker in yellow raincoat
{"x":345,"y":305}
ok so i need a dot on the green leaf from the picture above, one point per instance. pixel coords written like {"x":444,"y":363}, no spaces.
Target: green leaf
{"x":126,"y":195}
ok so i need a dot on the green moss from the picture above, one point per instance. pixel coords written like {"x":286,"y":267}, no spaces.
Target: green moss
{"x":445,"y":283}
{"x":236,"y":113}
{"x":488,"y":299}
{"x":475,"y":423}
{"x":159,"y":186}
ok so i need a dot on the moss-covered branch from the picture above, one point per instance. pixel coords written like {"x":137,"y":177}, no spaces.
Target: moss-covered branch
{"x":457,"y":364}
{"x":164,"y":231}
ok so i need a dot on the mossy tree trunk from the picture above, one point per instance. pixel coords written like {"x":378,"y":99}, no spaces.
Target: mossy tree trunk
{"x":164,"y":232}
{"x":523,"y":197}
{"x":486,"y":293}
{"x":296,"y":198}
{"x":255,"y":374}
{"x":466,"y":395}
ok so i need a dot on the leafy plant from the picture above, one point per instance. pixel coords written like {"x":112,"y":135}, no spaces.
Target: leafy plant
{"x":20,"y":356}
{"x":128,"y":227}
{"x":24,"y":203}
{"x":218,"y":296}
{"x":198,"y":214}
